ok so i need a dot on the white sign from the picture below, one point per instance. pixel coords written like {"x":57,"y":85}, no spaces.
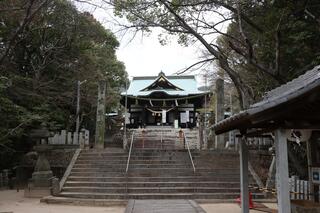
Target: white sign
{"x":164,"y":116}
{"x":184,"y":117}
{"x":176,"y":124}
{"x":187,"y":115}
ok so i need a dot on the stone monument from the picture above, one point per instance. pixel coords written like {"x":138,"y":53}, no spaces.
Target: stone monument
{"x":41,"y":181}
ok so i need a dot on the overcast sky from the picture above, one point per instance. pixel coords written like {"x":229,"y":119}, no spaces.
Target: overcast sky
{"x":144,"y":55}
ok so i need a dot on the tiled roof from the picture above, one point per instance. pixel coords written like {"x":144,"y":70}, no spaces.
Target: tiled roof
{"x":186,"y":83}
{"x":289,"y":91}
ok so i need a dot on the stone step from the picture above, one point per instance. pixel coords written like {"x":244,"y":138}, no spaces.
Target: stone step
{"x":174,"y":139}
{"x":154,"y":173}
{"x":132,"y":161}
{"x":102,"y":153}
{"x":83,"y":201}
{"x":109,"y":150}
{"x":151,"y":189}
{"x":149,"y":174}
{"x":173,"y":170}
{"x":153,"y":184}
{"x":158,"y":146}
{"x":159,"y":133}
{"x":132,"y":158}
{"x":177,"y":151}
{"x":151,"y":195}
{"x":212,"y":165}
{"x":111,"y":166}
{"x":152,"y":179}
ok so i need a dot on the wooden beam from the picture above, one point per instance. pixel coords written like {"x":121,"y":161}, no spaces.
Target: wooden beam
{"x":244,"y":177}
{"x":282,"y":174}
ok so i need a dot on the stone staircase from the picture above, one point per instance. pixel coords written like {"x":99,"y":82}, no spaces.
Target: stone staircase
{"x":165,"y":138}
{"x":155,"y":172}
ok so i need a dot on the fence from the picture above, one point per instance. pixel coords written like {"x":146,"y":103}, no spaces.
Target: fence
{"x":68,"y":138}
{"x":299,"y":189}
{"x":4,"y":178}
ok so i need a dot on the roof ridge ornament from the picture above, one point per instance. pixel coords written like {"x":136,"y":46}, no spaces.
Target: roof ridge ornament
{"x":161,"y":73}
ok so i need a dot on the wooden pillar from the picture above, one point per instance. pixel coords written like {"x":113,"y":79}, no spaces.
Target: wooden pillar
{"x":244,"y":177}
{"x":101,"y":114}
{"x":311,"y":197}
{"x":282,"y":171}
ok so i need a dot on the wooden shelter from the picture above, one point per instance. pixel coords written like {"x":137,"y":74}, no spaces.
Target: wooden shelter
{"x":292,"y":106}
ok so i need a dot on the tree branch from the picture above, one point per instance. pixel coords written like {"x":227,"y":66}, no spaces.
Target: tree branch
{"x":195,"y":64}
{"x":27,"y":19}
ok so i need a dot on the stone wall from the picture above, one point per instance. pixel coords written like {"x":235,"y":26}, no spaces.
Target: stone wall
{"x":58,"y":158}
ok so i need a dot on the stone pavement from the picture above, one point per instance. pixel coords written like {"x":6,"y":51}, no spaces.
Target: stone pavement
{"x":163,"y":206}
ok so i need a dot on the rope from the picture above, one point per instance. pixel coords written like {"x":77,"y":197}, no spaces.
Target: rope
{"x":154,"y":111}
{"x":168,"y":99}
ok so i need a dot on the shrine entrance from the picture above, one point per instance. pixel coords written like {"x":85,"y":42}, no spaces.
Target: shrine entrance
{"x":170,"y":101}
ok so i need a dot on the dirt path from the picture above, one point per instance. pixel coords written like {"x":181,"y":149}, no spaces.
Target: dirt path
{"x":12,"y":201}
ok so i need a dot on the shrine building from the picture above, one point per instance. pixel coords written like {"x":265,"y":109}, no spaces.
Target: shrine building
{"x":163,"y":101}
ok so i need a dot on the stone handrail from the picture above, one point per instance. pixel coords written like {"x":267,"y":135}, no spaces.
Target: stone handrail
{"x":69,"y":168}
{"x":186,"y":142}
{"x":129,"y":156}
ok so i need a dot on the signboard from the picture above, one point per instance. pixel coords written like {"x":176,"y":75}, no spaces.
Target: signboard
{"x":184,"y":117}
{"x":187,"y":115}
{"x":315,"y":175}
{"x":176,"y":124}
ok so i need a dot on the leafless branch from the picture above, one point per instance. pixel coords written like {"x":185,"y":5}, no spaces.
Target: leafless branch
{"x":311,"y":15}
{"x":202,"y":62}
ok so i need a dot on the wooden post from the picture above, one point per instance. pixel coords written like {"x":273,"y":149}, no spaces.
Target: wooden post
{"x":282,"y":174}
{"x":219,"y":139}
{"x":244,"y":178}
{"x":309,"y":159}
{"x":100,"y":121}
